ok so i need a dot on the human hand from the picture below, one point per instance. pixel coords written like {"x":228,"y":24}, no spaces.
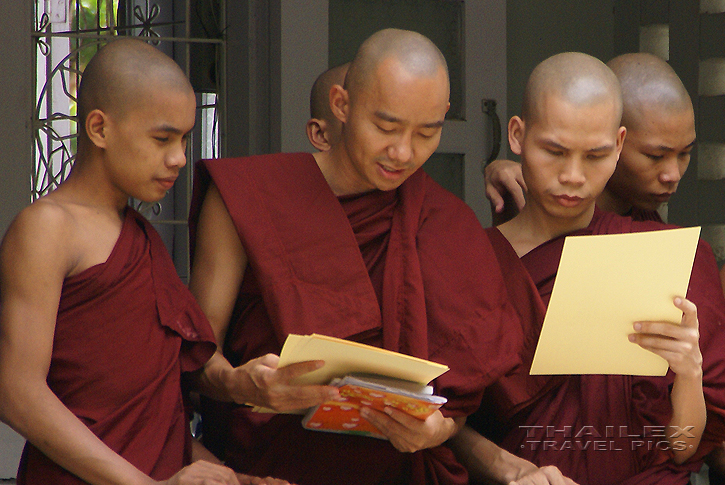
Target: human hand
{"x":203,"y":473}
{"x":409,"y":434}
{"x":544,"y":476}
{"x":677,"y":344}
{"x":250,"y":480}
{"x":262,"y":383}
{"x":502,"y":177}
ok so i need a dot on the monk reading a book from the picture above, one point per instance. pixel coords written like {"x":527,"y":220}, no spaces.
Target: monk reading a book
{"x":356,"y":243}
{"x":653,"y":429}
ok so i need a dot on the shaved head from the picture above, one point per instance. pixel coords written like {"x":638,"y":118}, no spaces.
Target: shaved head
{"x":415,"y":53}
{"x":124,"y":74}
{"x":320,"y":94}
{"x":579,"y":79}
{"x":648,"y":83}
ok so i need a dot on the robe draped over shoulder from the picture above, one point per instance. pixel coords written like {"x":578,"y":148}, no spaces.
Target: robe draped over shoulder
{"x":126,"y":330}
{"x":409,"y":270}
{"x":602,"y":429}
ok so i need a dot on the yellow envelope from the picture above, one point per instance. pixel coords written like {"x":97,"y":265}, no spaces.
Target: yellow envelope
{"x":343,"y":357}
{"x":605,"y":283}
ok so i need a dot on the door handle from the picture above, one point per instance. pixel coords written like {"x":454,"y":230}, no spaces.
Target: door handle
{"x":488,"y":106}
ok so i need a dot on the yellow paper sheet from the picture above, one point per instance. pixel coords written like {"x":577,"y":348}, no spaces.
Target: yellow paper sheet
{"x":605,"y":283}
{"x":343,"y":357}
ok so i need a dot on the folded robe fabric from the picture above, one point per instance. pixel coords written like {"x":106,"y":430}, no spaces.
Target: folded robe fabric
{"x":601,"y":429}
{"x":126,"y":330}
{"x":409,"y":270}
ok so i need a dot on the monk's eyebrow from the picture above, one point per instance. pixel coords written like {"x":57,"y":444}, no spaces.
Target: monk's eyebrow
{"x":387,"y":117}
{"x":168,"y":129}
{"x":603,"y":148}
{"x":665,"y":148}
{"x":552,"y":144}
{"x":392,"y":119}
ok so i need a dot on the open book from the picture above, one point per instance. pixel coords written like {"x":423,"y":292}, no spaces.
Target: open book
{"x":349,"y":364}
{"x":356,"y":391}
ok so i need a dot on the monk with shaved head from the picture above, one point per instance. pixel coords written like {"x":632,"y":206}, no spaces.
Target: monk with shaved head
{"x":323,"y":128}
{"x":660,"y":126}
{"x":95,"y":326}
{"x":592,"y":429}
{"x":354,"y":242}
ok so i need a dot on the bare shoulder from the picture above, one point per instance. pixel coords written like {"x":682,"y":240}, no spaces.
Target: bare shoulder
{"x":42,"y":232}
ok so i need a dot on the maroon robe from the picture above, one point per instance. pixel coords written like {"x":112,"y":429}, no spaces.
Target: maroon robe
{"x":601,"y":429}
{"x":409,"y":270}
{"x":638,"y":214}
{"x":126,"y":330}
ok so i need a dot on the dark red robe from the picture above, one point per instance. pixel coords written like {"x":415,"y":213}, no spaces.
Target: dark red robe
{"x":126,"y":330}
{"x":601,"y":429}
{"x":409,"y":270}
{"x":638,"y":214}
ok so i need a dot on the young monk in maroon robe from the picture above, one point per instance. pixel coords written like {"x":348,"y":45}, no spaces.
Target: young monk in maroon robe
{"x":594,"y":429}
{"x":323,"y":128}
{"x":95,"y":326}
{"x":660,"y":126}
{"x":357,"y":243}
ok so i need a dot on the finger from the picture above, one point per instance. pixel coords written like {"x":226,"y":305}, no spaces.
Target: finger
{"x":292,"y":371}
{"x":666,"y":330}
{"x":689,"y":312}
{"x":660,"y":343}
{"x":381,"y":421}
{"x":553,"y":475}
{"x":495,"y":198}
{"x":518,"y":195}
{"x":269,"y":360}
{"x":404,"y":419}
{"x":289,"y":398}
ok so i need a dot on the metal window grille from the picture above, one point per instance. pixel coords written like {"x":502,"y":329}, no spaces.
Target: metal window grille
{"x":69,"y":32}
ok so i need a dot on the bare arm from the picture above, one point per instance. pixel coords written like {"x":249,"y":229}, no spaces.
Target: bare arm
{"x":488,"y":463}
{"x":679,"y":345}
{"x":32,"y":273}
{"x":216,"y":277}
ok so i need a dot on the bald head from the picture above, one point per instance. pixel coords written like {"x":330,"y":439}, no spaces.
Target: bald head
{"x":124,"y":74}
{"x":415,"y":53}
{"x":578,"y":79}
{"x":320,"y":94}
{"x":648,"y":84}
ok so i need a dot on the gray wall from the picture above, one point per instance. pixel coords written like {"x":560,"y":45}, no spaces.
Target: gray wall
{"x":15,"y":156}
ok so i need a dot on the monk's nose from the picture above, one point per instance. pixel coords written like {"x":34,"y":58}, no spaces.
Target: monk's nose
{"x":572,"y":173}
{"x":670,"y":171}
{"x":177,"y":157}
{"x":402,"y":150}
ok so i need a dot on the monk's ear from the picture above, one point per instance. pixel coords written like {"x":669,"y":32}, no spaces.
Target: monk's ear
{"x":95,"y":126}
{"x":316,"y":133}
{"x":621,"y":135}
{"x":339,"y":102}
{"x":517,"y":131}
